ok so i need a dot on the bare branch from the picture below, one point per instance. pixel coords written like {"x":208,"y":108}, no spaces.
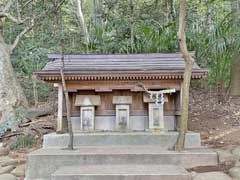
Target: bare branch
{"x":8,"y":5}
{"x":12,"y":18}
{"x":20,"y":35}
{"x":7,"y":14}
{"x":60,"y":4}
{"x":34,"y":22}
{"x":26,"y":4}
{"x":18,"y":12}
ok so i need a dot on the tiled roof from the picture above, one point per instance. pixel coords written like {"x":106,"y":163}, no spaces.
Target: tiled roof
{"x":118,"y":66}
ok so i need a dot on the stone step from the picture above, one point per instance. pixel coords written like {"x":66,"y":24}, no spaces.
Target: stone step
{"x":165,"y":140}
{"x":120,"y":172}
{"x":43,"y":162}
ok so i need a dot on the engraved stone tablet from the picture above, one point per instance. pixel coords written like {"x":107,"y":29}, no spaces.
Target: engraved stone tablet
{"x":87,"y":118}
{"x":122,"y":117}
{"x":156,"y":117}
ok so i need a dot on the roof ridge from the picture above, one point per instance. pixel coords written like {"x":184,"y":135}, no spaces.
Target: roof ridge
{"x":104,"y":56}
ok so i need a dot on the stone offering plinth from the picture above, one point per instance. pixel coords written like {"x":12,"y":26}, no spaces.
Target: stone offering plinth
{"x":164,"y":140}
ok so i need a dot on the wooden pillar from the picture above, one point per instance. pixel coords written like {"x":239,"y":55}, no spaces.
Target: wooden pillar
{"x":60,"y":109}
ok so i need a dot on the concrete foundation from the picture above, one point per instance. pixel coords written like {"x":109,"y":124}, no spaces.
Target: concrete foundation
{"x":163,"y":140}
{"x":117,"y":155}
{"x":120,"y":172}
{"x":44,"y":162}
{"x":137,"y":123}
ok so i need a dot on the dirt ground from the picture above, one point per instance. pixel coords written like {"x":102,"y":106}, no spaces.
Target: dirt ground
{"x":218,"y":123}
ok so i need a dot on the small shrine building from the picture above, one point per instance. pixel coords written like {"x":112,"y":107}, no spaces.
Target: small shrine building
{"x":119,"y":92}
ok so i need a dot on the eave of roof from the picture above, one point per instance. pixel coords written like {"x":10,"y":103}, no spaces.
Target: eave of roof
{"x":54,"y":76}
{"x":119,"y":67}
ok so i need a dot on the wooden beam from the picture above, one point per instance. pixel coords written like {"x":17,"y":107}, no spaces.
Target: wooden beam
{"x":60,"y":109}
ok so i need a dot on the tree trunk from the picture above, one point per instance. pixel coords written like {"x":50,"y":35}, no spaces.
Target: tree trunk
{"x":97,"y":12}
{"x":35,"y":91}
{"x":166,"y":12}
{"x":235,"y":66}
{"x":68,"y":107}
{"x":68,"y":104}
{"x":173,"y":11}
{"x":132,"y":22}
{"x":187,"y":77}
{"x":11,"y":93}
{"x":235,"y":11}
{"x":235,"y":76}
{"x":81,"y":20}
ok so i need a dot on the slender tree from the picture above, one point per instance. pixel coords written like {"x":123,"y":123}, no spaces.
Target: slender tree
{"x":60,"y":36}
{"x":66,"y":95}
{"x":235,"y":75}
{"x":132,"y":22}
{"x":173,"y":11}
{"x":78,"y":10}
{"x":35,"y":91}
{"x":98,"y":8}
{"x":235,"y":65}
{"x":187,"y":76}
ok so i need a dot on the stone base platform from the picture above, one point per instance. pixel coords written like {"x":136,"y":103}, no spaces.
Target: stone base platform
{"x":165,"y":140}
{"x":44,"y":162}
{"x":120,"y":172}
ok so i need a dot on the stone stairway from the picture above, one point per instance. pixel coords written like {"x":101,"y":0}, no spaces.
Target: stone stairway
{"x":44,"y":162}
{"x":130,"y":160}
{"x":122,"y":172}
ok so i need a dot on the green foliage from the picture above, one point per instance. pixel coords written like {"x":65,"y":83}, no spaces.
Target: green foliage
{"x":212,"y":33}
{"x":42,"y":88}
{"x":155,"y":38}
{"x":215,"y":50}
{"x":22,"y":141}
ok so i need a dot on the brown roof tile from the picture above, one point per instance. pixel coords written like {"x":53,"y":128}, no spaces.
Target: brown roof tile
{"x":168,"y":65}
